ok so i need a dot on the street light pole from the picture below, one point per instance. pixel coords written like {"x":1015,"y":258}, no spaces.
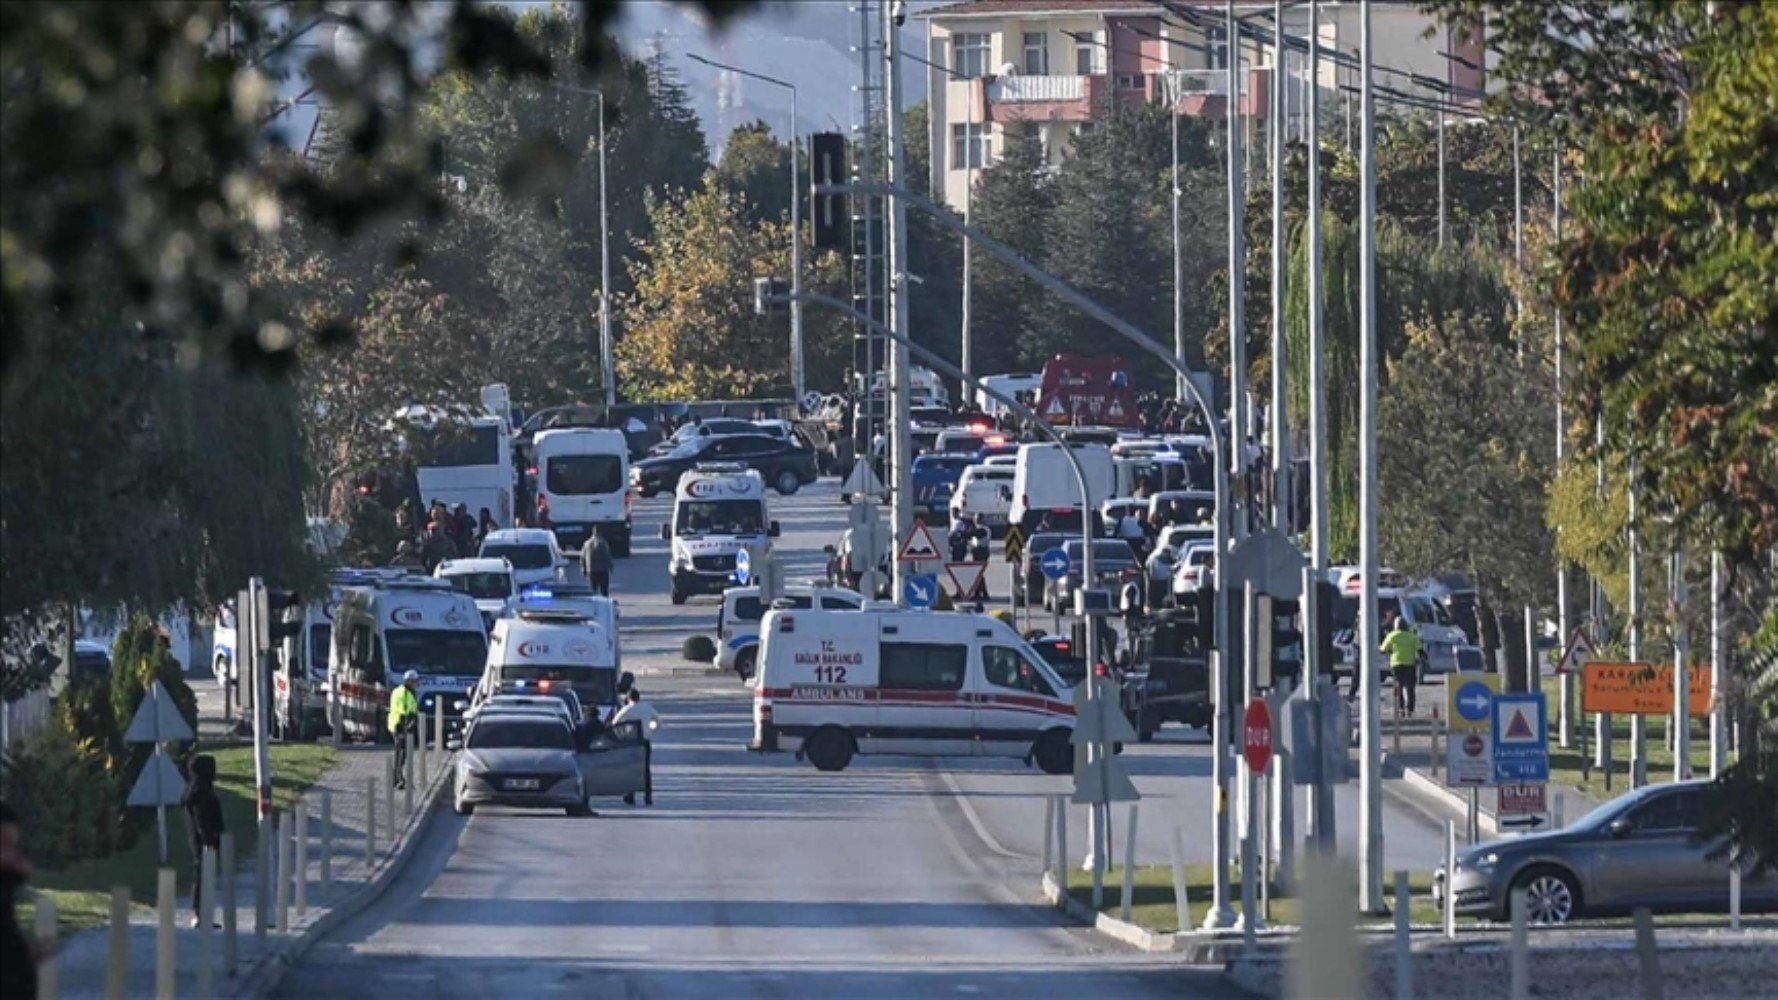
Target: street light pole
{"x":1178,"y":255}
{"x":1321,"y":808}
{"x":1275,"y":422}
{"x":901,"y":458}
{"x":1370,"y":790}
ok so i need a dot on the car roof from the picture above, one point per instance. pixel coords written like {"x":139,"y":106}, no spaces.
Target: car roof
{"x":474,"y":564}
{"x":519,"y":536}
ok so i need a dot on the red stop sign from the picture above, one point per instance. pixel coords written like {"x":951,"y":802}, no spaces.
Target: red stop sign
{"x":1256,"y":736}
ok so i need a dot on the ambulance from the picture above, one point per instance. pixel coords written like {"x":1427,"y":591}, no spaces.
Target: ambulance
{"x":539,"y":648}
{"x":385,"y":629}
{"x":718,"y":510}
{"x":835,"y":684}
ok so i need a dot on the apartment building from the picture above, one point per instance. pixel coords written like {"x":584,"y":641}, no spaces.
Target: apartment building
{"x":1052,"y":66}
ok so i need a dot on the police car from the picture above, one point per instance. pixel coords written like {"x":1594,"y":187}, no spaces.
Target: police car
{"x":737,"y":621}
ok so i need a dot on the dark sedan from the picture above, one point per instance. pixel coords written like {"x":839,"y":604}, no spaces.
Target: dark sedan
{"x":785,"y":465}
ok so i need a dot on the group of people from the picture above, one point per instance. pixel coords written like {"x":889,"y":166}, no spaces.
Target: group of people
{"x":440,"y":533}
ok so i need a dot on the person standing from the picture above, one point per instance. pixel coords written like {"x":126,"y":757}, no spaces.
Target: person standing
{"x":19,"y":955}
{"x":404,"y":719}
{"x":1402,"y":644}
{"x":634,"y":710}
{"x":596,"y":563}
{"x":203,"y":826}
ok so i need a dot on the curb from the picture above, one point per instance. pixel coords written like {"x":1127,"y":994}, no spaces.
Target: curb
{"x":1430,"y":792}
{"x":1197,"y":947}
{"x":279,"y":958}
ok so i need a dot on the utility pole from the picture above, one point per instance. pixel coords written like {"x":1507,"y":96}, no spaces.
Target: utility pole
{"x":1179,"y":389}
{"x":1370,"y":789}
{"x":1321,"y":814}
{"x":901,"y":509}
{"x":1682,"y":651}
{"x":973,"y":148}
{"x":1238,"y":434}
{"x":1719,"y":744}
{"x":1275,"y":420}
{"x":1638,"y":722}
{"x":1565,"y":691}
{"x":607,"y":358}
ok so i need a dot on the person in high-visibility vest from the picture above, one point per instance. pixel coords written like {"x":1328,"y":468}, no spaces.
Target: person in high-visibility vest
{"x":404,"y":716}
{"x":1403,"y":646}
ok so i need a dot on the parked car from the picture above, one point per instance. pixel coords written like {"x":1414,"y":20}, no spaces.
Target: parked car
{"x":785,"y":465}
{"x":1031,"y":581}
{"x":1641,"y":849}
{"x":1168,"y":546}
{"x":1194,"y":569}
{"x":1114,"y":564}
{"x":713,"y":427}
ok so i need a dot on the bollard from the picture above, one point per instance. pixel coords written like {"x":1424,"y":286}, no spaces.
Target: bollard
{"x":1518,"y":949}
{"x":438,"y":726}
{"x":1049,"y":830}
{"x":300,"y":871}
{"x":166,"y":957}
{"x":1557,"y":808}
{"x":1062,"y":845}
{"x":421,"y":751}
{"x":1735,"y":894}
{"x":1404,"y":941}
{"x":47,"y":985}
{"x":1129,"y":897}
{"x":1182,"y":910}
{"x":389,"y":801}
{"x":1450,"y":879}
{"x":326,"y":842}
{"x":227,"y":875}
{"x":1435,"y":734}
{"x":370,"y":824}
{"x":117,"y":952}
{"x":1646,"y":956}
{"x":407,"y":785}
{"x":1325,"y":960}
{"x":206,"y":948}
{"x":281,"y":897}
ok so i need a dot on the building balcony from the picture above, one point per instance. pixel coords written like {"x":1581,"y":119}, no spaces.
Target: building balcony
{"x":1046,"y":98}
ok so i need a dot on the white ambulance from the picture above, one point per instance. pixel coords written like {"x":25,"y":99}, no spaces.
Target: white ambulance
{"x":383,"y":630}
{"x":540,"y":647}
{"x":880,"y":681}
{"x":718,"y":510}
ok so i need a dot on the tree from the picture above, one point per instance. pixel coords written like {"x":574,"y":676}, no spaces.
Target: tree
{"x":1015,"y":204}
{"x":756,"y":167}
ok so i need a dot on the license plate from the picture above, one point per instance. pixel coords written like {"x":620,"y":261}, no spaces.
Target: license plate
{"x":521,"y":784}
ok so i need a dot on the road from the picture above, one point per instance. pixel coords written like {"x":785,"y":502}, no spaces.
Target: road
{"x":755,"y":875}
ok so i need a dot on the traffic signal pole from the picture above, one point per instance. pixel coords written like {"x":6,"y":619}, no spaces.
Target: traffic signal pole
{"x":901,"y":458}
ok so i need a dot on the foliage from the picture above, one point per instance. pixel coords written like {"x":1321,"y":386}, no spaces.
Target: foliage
{"x":140,"y":656}
{"x":1015,"y":203}
{"x":698,"y":649}
{"x":70,"y":803}
{"x":756,"y":168}
{"x":371,"y":533}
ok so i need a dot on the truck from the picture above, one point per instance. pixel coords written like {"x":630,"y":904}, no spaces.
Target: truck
{"x":1079,"y":391}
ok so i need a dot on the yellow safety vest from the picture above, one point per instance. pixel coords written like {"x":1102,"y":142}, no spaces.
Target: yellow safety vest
{"x":1403,"y":647}
{"x":402,"y":704}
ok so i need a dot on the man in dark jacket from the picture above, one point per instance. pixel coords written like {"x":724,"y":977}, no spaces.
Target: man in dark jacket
{"x":203,"y":825}
{"x":596,"y":563}
{"x":18,"y":955}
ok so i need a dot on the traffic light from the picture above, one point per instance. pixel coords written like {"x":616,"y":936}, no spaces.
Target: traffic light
{"x":768,"y":295}
{"x":831,"y":212}
{"x":277,"y":603}
{"x":1286,"y":640}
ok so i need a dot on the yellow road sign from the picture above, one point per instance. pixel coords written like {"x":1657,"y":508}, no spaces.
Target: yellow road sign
{"x":1015,"y":544}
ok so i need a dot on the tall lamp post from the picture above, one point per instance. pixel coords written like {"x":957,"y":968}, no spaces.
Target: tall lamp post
{"x":607,"y":360}
{"x":797,"y":380}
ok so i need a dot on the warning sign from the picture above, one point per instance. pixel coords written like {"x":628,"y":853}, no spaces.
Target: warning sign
{"x":1579,"y":651}
{"x":1518,"y":730}
{"x":919,"y":546}
{"x":1015,"y":545}
{"x":1055,"y":408}
{"x":966,"y":577}
{"x":1640,"y":688}
{"x":1520,"y":798}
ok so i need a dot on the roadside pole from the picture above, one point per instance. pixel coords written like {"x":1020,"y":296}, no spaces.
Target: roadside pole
{"x":1682,"y":651}
{"x":1320,"y":804}
{"x":1638,"y":722}
{"x":1565,"y":721}
{"x":1719,"y":745}
{"x":1370,"y":789}
{"x":253,"y":634}
{"x":900,"y":499}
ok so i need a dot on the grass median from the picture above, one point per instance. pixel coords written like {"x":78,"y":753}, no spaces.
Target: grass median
{"x":82,"y":890}
{"x":1152,"y":900}
{"x":1566,"y":765}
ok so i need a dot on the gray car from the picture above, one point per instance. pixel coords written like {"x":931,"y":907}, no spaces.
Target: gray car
{"x":520,"y":759}
{"x":1641,"y":849}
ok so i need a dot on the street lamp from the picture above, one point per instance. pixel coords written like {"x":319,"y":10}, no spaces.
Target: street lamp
{"x":607,"y":362}
{"x":796,"y":222}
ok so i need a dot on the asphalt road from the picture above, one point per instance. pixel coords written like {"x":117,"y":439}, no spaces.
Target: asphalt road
{"x":753,"y":876}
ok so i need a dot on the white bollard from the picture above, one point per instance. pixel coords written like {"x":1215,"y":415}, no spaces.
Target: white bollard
{"x":1129,"y":897}
{"x":1518,"y":949}
{"x":1062,"y":845}
{"x":1450,"y":879}
{"x":47,"y":983}
{"x":1735,"y":894}
{"x":407,"y":786}
{"x":229,"y":928}
{"x":117,"y":951}
{"x":207,"y":907}
{"x":300,"y":872}
{"x":370,"y":824}
{"x":1181,"y":898}
{"x":1557,"y":809}
{"x":1325,"y":960}
{"x":438,"y":726}
{"x":1404,"y":940}
{"x":327,"y":842}
{"x":421,"y":752}
{"x":166,"y":957}
{"x":1049,"y":830}
{"x":283,"y":844}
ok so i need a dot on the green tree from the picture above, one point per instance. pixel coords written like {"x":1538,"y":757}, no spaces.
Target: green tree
{"x":1014,"y":203}
{"x":756,"y":167}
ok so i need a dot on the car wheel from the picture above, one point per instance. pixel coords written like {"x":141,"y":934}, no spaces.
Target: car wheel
{"x":1054,"y":754}
{"x":1551,"y":895}
{"x":788,"y":482}
{"x":829,"y":749}
{"x":744,"y":662}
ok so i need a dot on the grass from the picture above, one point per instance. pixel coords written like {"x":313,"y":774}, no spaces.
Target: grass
{"x":82,"y":891}
{"x":1152,"y":902}
{"x":1565,"y":765}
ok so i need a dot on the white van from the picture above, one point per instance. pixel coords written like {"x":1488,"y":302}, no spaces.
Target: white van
{"x":837,"y":683}
{"x":580,"y":600}
{"x":737,"y":620}
{"x":489,"y":582}
{"x":380,"y":632}
{"x":986,"y":492}
{"x":533,"y":553}
{"x":558,"y":647}
{"x":583,"y":483}
{"x":1044,"y":484}
{"x":718,"y":510}
{"x":1442,"y":640}
{"x":1009,"y":385}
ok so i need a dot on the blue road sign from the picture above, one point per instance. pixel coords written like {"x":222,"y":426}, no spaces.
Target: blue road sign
{"x":1521,"y":738}
{"x":1055,"y":563}
{"x":919,"y":592}
{"x":743,"y":567}
{"x":1473,"y":700}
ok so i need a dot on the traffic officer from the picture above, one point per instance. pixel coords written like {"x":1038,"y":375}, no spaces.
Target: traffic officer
{"x":1403,"y":646}
{"x":404,"y":718}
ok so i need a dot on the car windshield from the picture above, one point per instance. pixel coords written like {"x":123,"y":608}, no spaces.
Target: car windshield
{"x":320,"y":643}
{"x":496,"y":733}
{"x":488,"y":586}
{"x":718,"y":517}
{"x":579,"y":475}
{"x":437,"y":652}
{"x":521,"y":556}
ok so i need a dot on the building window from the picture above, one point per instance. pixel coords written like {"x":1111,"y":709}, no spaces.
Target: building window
{"x":969,"y":54}
{"x":1216,"y":40}
{"x":1086,"y":54}
{"x":1131,"y":81}
{"x":969,"y":146}
{"x":1037,"y":54}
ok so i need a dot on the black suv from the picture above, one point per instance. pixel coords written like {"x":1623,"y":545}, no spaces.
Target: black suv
{"x":786,"y":466}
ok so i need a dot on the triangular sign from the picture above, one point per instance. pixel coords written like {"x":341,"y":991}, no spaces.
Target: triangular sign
{"x":1519,"y":729}
{"x":157,"y":719}
{"x":160,"y":783}
{"x":919,"y":545}
{"x":1105,"y":782}
{"x":966,"y":576}
{"x":1055,"y":409}
{"x":1579,"y":649}
{"x":863,"y":481}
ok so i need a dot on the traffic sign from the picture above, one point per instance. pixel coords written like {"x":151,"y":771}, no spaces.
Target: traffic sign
{"x":1015,"y":544}
{"x":1521,"y":738}
{"x":1520,"y":798}
{"x":919,"y":591}
{"x":966,"y":577}
{"x":1055,"y":563}
{"x":919,"y":546}
{"x":1640,"y":688}
{"x":157,"y":720}
{"x":1580,"y":649}
{"x":1469,"y":760}
{"x":1256,"y":736}
{"x":160,"y":783}
{"x":1468,"y":696}
{"x":863,"y":481}
{"x":1101,"y":722}
{"x":743,"y":567}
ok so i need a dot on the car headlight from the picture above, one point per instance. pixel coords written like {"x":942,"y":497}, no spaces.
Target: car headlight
{"x":1483,"y":863}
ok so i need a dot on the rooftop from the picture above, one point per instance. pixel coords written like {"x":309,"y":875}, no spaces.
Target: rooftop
{"x":1033,"y":7}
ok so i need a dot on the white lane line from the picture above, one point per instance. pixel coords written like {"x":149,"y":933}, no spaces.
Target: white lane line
{"x":975,"y":821}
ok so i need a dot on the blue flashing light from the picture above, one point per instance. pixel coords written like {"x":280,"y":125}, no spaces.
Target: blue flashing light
{"x":519,"y":684}
{"x":537,"y":591}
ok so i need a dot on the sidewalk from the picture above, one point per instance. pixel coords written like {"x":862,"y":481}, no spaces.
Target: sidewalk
{"x":82,"y":961}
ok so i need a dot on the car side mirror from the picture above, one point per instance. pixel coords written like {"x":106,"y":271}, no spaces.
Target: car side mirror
{"x":666,"y":532}
{"x":772,"y":529}
{"x":1620,"y":827}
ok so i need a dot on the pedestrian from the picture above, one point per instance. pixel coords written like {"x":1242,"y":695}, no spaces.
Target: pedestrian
{"x":485,"y":525}
{"x":203,"y":825}
{"x":596,"y":563}
{"x":19,"y":955}
{"x":404,"y":720}
{"x":961,"y":534}
{"x":464,"y":534}
{"x":1403,"y":646}
{"x":407,"y":558}
{"x":436,"y":546}
{"x":649,"y":720}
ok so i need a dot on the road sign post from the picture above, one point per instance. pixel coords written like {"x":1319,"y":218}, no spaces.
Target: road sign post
{"x":1469,"y":744}
{"x":919,"y":592}
{"x":743,"y":567}
{"x":1521,"y":737}
{"x":157,"y":721}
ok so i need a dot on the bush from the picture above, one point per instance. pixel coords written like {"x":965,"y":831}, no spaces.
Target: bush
{"x":371,"y":534}
{"x":698,"y":649}
{"x":69,"y":805}
{"x":141,"y":656}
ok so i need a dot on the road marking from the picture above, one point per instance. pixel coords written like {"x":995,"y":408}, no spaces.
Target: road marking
{"x":975,"y":821}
